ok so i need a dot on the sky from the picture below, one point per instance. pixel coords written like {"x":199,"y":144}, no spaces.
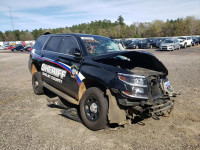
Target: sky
{"x":35,"y":14}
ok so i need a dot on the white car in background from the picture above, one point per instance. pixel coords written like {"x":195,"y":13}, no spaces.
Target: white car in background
{"x":185,"y":41}
{"x":170,"y":44}
{"x":1,"y":47}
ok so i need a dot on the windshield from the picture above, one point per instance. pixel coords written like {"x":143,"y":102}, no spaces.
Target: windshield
{"x":96,"y":45}
{"x":168,"y":41}
{"x":182,"y":38}
{"x":134,"y":42}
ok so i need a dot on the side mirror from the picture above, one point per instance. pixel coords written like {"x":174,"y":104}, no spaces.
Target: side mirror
{"x":77,"y":53}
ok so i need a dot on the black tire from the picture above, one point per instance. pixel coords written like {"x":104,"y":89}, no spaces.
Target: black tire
{"x":94,"y":109}
{"x":37,"y":83}
{"x":185,"y":45}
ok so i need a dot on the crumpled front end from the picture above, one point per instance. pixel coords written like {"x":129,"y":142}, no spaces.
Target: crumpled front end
{"x":141,"y":86}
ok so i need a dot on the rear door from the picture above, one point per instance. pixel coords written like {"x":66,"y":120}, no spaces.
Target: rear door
{"x":52,"y":73}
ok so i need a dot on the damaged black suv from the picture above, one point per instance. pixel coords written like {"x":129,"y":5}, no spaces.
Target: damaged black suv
{"x":109,"y":85}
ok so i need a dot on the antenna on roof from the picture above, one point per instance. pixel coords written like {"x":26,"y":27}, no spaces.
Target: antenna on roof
{"x":11,"y":18}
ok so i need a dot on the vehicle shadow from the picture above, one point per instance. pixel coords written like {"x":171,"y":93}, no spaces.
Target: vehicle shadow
{"x":158,"y":50}
{"x":71,"y":111}
{"x":68,"y":110}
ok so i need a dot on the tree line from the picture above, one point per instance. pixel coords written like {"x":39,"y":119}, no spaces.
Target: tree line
{"x":118,"y":29}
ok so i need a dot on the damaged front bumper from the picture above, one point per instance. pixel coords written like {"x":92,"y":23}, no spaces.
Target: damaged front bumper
{"x":160,"y":110}
{"x":154,"y":108}
{"x":121,"y":111}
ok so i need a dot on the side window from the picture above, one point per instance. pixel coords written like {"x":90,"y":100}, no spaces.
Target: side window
{"x":54,"y":43}
{"x":68,"y":45}
{"x":40,"y":42}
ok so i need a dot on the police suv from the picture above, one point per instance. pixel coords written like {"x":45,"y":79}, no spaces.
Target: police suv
{"x":108,"y":84}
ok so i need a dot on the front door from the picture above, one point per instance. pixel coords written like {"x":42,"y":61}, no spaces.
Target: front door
{"x":71,"y":64}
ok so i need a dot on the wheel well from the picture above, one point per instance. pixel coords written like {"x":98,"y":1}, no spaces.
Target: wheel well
{"x":33,"y":69}
{"x":85,"y":84}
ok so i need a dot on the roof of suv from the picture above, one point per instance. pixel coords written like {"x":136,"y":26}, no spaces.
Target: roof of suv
{"x":75,"y":34}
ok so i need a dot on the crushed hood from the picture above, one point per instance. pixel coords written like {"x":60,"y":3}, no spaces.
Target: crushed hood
{"x":141,"y":59}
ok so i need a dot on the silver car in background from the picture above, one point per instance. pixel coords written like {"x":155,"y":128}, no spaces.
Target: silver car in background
{"x":170,"y":44}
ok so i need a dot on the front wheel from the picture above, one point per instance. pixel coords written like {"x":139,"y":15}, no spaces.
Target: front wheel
{"x":37,"y":83}
{"x":94,"y":109}
{"x":185,"y":45}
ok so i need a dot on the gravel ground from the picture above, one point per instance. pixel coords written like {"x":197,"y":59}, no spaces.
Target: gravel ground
{"x":26,"y":122}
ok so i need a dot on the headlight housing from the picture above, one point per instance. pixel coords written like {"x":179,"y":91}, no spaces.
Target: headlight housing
{"x":136,"y":85}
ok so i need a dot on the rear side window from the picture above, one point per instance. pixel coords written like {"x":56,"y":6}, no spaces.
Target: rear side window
{"x":40,"y":42}
{"x":68,"y":45}
{"x":54,"y":43}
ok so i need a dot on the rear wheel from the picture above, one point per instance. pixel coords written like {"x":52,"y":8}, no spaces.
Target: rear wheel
{"x":37,"y":83}
{"x":94,"y":109}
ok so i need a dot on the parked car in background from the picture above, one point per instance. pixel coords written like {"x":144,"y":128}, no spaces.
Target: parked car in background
{"x":146,"y":44}
{"x":152,"y":41}
{"x":140,"y":43}
{"x":18,"y":48}
{"x":29,"y":49}
{"x":123,"y":42}
{"x":185,"y":41}
{"x":1,"y":47}
{"x":195,"y":41}
{"x":11,"y":47}
{"x":159,"y":41}
{"x":170,"y":44}
{"x":199,"y":39}
{"x":133,"y":45}
{"x":26,"y":48}
{"x":127,"y":43}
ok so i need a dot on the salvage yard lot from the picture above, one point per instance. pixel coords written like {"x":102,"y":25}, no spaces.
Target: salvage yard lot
{"x":26,"y":122}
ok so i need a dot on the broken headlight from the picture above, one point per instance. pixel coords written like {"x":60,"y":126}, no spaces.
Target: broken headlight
{"x":136,"y":85}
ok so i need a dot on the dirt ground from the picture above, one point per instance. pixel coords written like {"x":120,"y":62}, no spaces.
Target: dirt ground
{"x":26,"y":122}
